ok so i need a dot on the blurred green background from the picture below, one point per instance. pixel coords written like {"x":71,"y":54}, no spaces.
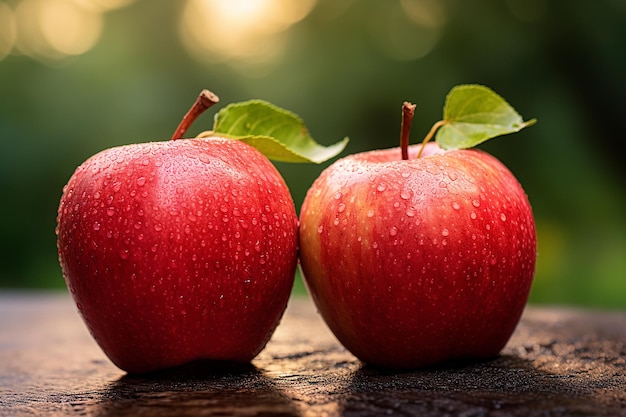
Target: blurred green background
{"x":79,"y":76}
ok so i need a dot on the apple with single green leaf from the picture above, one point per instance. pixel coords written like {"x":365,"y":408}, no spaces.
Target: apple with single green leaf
{"x":423,"y":254}
{"x":185,"y":250}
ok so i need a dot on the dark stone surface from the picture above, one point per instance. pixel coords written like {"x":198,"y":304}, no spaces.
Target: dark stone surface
{"x":560,"y":362}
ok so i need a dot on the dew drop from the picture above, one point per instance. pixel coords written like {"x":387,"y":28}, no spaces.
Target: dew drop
{"x":393,"y":231}
{"x":204,"y":158}
{"x":445,"y":232}
{"x":110,"y":211}
{"x":158,"y":227}
{"x":410,"y":212}
{"x":456,"y":205}
{"x":336,"y":221}
{"x":124,"y":254}
{"x":381,"y":187}
{"x":96,"y":226}
{"x":320,"y":229}
{"x":370,"y":213}
{"x":141,"y":181}
{"x":338,"y":195}
{"x":503,"y":217}
{"x":405,"y":194}
{"x":476,"y":203}
{"x":473,"y":215}
{"x":341,"y":208}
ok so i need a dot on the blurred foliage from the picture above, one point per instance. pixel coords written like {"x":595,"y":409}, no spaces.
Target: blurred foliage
{"x":345,"y":66}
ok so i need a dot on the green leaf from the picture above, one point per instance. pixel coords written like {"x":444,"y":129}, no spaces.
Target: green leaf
{"x":277,"y":133}
{"x":473,"y":114}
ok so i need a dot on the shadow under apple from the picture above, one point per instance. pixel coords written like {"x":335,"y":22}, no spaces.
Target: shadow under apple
{"x":507,"y":385}
{"x":199,"y":388}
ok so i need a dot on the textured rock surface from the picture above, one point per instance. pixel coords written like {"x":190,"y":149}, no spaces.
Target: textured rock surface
{"x":560,"y":362}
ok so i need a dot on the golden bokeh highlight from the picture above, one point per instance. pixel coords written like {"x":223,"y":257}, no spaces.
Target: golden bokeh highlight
{"x":52,"y":30}
{"x":7,"y":30}
{"x":239,"y":30}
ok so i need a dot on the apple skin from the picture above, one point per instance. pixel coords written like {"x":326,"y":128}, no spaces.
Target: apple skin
{"x":417,"y":262}
{"x":178,"y":251}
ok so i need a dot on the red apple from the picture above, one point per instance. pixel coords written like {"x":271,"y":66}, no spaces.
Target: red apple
{"x":418,"y":261}
{"x":179,"y":250}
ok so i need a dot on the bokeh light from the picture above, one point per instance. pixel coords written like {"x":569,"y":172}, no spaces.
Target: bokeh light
{"x":52,"y":30}
{"x":7,"y":30}
{"x":239,"y":31}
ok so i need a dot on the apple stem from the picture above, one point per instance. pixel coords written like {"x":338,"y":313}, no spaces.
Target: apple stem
{"x":430,"y":135}
{"x":205,"y":100}
{"x":408,"y":110}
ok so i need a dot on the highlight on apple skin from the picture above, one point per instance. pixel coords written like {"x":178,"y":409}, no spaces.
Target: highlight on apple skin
{"x":418,"y":261}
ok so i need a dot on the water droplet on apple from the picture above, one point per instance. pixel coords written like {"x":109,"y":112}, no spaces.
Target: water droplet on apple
{"x":154,"y":247}
{"x":488,"y":226}
{"x":456,"y":206}
{"x":503,"y":217}
{"x":370,"y":213}
{"x":336,"y":221}
{"x":158,"y":227}
{"x":124,"y":254}
{"x":393,"y":231}
{"x":445,"y":232}
{"x":96,"y":226}
{"x":262,"y":260}
{"x":410,"y":212}
{"x":141,"y":181}
{"x":341,"y":208}
{"x":204,"y":158}
{"x":473,"y":215}
{"x":476,"y":203}
{"x":405,"y":194}
{"x":452,"y":175}
{"x":96,"y":195}
{"x":338,"y":195}
{"x":320,"y":229}
{"x":111,"y":211}
{"x":381,"y":187}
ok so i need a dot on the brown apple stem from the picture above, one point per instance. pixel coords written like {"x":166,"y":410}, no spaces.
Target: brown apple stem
{"x":430,"y":135}
{"x":205,"y":100}
{"x":408,"y":110}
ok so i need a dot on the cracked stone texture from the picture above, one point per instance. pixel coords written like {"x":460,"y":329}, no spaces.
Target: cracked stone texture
{"x":559,"y":362}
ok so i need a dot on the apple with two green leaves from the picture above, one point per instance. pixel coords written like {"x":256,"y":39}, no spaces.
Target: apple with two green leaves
{"x":423,"y":254}
{"x":185,"y":250}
